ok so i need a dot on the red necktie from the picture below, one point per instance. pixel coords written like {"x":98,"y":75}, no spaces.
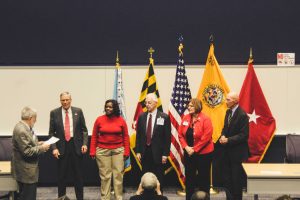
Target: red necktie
{"x":149,"y":130}
{"x":67,"y":127}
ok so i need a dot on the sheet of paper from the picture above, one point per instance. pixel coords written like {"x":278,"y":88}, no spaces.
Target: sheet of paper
{"x":52,"y":140}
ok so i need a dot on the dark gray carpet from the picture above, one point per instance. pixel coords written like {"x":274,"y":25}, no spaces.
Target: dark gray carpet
{"x":93,"y":193}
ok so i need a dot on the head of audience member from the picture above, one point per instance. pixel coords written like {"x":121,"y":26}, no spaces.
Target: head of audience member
{"x":65,"y":197}
{"x":111,"y":108}
{"x":232,"y":99}
{"x":65,"y":100}
{"x":200,"y":195}
{"x":149,"y":182}
{"x":194,"y":106}
{"x":151,"y":102}
{"x":28,"y":115}
{"x":284,"y":197}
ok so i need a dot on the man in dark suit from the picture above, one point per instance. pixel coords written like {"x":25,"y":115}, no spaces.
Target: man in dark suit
{"x":26,"y":150}
{"x":234,"y":139}
{"x":68,"y":124}
{"x":153,"y":138}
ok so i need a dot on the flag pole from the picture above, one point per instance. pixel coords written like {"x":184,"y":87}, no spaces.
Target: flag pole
{"x":211,"y":38}
{"x":212,"y":190}
{"x":251,"y":56}
{"x":117,"y":60}
{"x":180,"y":48}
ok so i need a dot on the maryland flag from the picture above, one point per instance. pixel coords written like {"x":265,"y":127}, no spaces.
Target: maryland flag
{"x":119,"y":96}
{"x":262,"y":124}
{"x":212,"y":92}
{"x":149,"y":86}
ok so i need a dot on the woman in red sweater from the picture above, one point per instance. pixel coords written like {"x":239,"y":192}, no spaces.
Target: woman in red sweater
{"x":110,"y":147}
{"x":195,"y":136}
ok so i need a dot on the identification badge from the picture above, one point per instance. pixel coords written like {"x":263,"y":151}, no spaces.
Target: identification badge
{"x":185,"y":123}
{"x":160,"y":121}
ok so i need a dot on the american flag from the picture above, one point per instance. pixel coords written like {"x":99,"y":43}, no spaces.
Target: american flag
{"x":181,"y":96}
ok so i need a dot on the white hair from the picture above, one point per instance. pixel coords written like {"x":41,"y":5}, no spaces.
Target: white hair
{"x":65,"y":94}
{"x":149,"y":181}
{"x":152,"y":96}
{"x":234,"y":96}
{"x":27,"y":113}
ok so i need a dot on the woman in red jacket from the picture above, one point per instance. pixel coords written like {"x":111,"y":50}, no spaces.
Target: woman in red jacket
{"x":110,"y":147}
{"x":195,"y":136}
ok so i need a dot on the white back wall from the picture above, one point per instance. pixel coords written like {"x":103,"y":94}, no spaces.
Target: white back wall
{"x":90,"y":86}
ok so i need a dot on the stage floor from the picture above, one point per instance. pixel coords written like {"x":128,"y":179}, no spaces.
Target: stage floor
{"x":93,"y":193}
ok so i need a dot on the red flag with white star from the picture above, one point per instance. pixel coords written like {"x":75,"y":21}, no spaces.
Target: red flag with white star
{"x":262,"y":124}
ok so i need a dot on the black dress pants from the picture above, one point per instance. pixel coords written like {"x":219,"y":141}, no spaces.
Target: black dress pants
{"x":27,"y":191}
{"x":149,"y":165}
{"x":70,"y":161}
{"x":197,"y":173}
{"x":234,"y":177}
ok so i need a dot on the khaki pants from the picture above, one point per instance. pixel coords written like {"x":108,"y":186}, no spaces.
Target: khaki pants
{"x":111,"y":164}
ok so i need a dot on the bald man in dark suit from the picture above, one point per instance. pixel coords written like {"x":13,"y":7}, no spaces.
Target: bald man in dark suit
{"x":234,"y":139}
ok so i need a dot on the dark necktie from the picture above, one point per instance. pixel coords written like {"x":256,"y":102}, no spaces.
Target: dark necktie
{"x":229,"y":116}
{"x":67,"y":127}
{"x":32,"y":132}
{"x":149,"y":130}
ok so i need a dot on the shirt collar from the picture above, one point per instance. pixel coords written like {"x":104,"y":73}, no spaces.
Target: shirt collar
{"x":25,"y":124}
{"x":69,"y":110}
{"x":154,"y":112}
{"x":234,"y":108}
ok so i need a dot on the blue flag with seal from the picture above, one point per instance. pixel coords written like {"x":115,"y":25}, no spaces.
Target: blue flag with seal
{"x":118,"y":95}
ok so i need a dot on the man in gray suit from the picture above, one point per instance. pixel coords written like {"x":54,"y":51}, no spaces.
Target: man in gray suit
{"x":68,"y":124}
{"x":26,"y":149}
{"x":153,"y":138}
